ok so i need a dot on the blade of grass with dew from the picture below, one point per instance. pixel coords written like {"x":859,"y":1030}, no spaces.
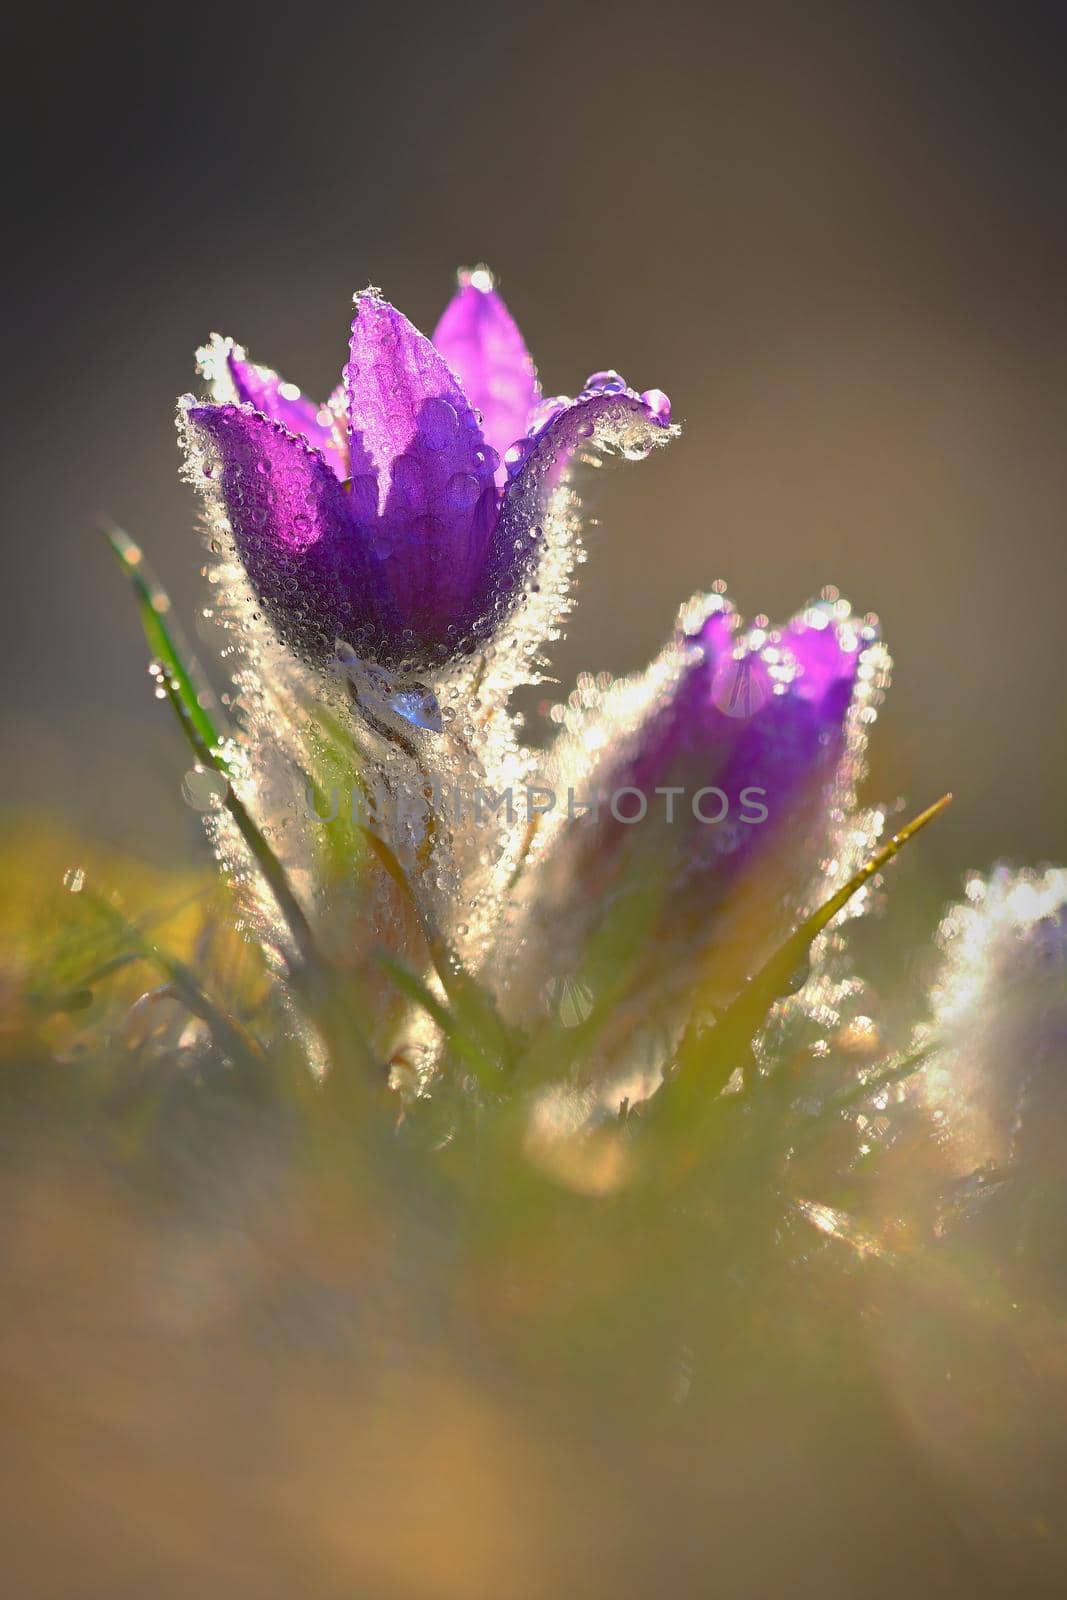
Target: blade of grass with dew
{"x":269,"y":866}
{"x":205,"y":742}
{"x":312,"y":977}
{"x":708,"y":1056}
{"x":153,"y":606}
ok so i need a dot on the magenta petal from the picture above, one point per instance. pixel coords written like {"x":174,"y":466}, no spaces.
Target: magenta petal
{"x":826,"y":650}
{"x":283,"y":402}
{"x":536,"y":467}
{"x":712,"y":627}
{"x":293,"y":530}
{"x":621,"y":422}
{"x":437,"y":502}
{"x":480,"y":340}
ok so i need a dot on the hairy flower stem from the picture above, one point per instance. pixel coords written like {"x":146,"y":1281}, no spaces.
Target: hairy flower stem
{"x":489,"y":1046}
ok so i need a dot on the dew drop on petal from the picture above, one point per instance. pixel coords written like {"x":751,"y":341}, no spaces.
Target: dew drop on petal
{"x":607,"y":382}
{"x":409,"y":480}
{"x":741,"y":686}
{"x":658,"y":404}
{"x":462,"y":490}
{"x":437,"y":423}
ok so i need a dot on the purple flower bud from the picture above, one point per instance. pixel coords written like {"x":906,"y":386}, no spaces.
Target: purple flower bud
{"x":722,"y":778}
{"x":404,"y":517}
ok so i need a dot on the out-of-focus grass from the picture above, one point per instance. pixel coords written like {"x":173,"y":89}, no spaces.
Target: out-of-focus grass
{"x":264,"y":1337}
{"x":85,"y":931}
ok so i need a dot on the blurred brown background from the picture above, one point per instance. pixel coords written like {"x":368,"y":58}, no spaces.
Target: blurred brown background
{"x":834,"y":234}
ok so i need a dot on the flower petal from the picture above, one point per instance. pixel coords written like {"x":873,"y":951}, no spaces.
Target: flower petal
{"x":437,"y":503}
{"x":282,"y":402}
{"x":619,"y":421}
{"x":827,"y":650}
{"x":480,"y":340}
{"x":292,"y":525}
{"x":233,"y":377}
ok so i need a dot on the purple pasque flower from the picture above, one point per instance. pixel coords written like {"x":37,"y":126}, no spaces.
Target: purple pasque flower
{"x":720,"y":779}
{"x":406,"y":515}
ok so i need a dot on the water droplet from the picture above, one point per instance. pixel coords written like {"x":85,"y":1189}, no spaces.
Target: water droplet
{"x":571,"y":1000}
{"x":202,"y":788}
{"x":409,"y":479}
{"x":741,"y":686}
{"x":418,"y":705}
{"x":462,"y":490}
{"x":437,"y":423}
{"x":658,"y":404}
{"x":607,"y":382}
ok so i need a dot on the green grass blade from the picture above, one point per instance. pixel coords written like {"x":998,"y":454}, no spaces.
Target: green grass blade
{"x":707,"y":1057}
{"x":269,"y":866}
{"x":153,"y":606}
{"x":205,"y":742}
{"x":414,"y":989}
